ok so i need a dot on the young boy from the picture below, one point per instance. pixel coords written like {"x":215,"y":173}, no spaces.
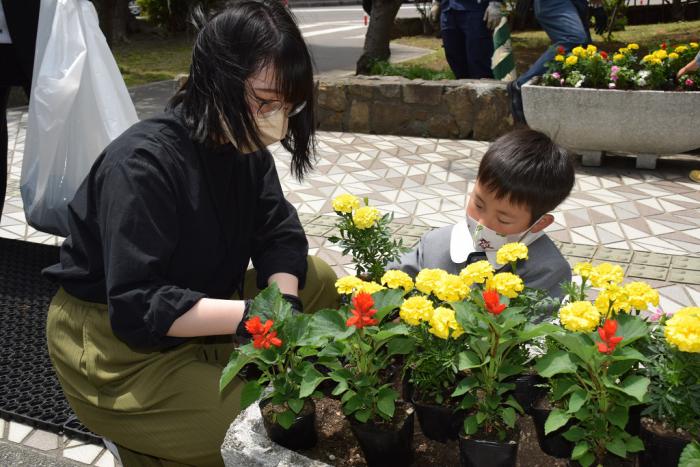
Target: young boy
{"x":521,"y":178}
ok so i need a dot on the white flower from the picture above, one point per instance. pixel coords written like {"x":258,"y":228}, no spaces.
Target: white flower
{"x":644,"y":74}
{"x":578,"y":83}
{"x":641,"y":82}
{"x":611,"y":85}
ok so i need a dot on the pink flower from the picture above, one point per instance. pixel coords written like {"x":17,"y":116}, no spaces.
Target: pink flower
{"x":689,"y":82}
{"x":556,"y":75}
{"x":561,"y":82}
{"x":614,"y":69}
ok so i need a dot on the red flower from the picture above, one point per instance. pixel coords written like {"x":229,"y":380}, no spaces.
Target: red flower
{"x":604,"y":55}
{"x":492,"y":302}
{"x":608,"y":337}
{"x":362,"y":312}
{"x":561,"y":50}
{"x":663,"y":45}
{"x":262,"y":336}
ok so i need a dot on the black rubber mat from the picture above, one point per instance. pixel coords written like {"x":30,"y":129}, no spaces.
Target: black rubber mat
{"x":29,"y":390}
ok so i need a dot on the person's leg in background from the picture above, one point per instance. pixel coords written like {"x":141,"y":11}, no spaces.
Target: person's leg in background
{"x":561,"y":20}
{"x":4,"y":154}
{"x":454,"y":42}
{"x":478,"y":40}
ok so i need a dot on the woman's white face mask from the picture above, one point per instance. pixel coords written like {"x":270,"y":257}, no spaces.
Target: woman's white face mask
{"x":271,"y":129}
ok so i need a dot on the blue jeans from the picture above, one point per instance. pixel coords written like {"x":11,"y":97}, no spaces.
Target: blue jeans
{"x":467,"y":41}
{"x":566,"y":24}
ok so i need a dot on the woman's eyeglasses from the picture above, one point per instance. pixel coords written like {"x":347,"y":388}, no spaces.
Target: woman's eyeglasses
{"x":267,"y":108}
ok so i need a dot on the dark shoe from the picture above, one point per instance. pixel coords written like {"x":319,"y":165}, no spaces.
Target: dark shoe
{"x":516,"y":103}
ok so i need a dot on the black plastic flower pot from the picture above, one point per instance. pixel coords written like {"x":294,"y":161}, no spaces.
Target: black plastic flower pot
{"x":302,"y":433}
{"x":480,"y":453}
{"x":660,"y":450}
{"x":527,"y":392}
{"x":437,"y":422}
{"x":609,"y":460}
{"x":553,"y":444}
{"x":634,"y":420}
{"x":383,"y":446}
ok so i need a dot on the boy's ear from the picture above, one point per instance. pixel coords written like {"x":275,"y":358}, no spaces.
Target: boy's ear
{"x":544,"y":222}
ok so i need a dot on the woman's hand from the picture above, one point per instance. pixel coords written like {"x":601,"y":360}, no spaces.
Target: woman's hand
{"x":692,"y":66}
{"x":209,"y":317}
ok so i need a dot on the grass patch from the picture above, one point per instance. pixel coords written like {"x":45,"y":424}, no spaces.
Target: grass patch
{"x":413,"y":71}
{"x":148,"y":57}
{"x":529,"y":45}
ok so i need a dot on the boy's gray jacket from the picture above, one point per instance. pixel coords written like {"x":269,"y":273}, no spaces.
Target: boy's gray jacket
{"x":545,"y":269}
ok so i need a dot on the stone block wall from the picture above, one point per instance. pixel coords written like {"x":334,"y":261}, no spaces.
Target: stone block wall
{"x":390,"y":105}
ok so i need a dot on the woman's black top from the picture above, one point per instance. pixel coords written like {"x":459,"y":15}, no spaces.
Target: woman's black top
{"x":162,"y":221}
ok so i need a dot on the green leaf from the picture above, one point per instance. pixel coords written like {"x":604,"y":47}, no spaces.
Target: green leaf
{"x":327,"y":324}
{"x":250,"y":393}
{"x":391,"y":330}
{"x":543,"y":329}
{"x":296,"y":405}
{"x":285,"y":419}
{"x":310,"y":381}
{"x":465,"y":385}
{"x":269,"y":304}
{"x":465,"y":314}
{"x":580,"y":450}
{"x":582,"y":346}
{"x":468,"y":401}
{"x":635,"y":386}
{"x":690,"y":457}
{"x":294,"y":329}
{"x":617,"y":447}
{"x":386,"y":401}
{"x":400,"y":346}
{"x":340,"y":388}
{"x":587,"y":460}
{"x":509,"y":416}
{"x":631,"y":328}
{"x":562,"y":386}
{"x":471,"y":426}
{"x":634,"y":444}
{"x":233,"y":367}
{"x":574,"y":434}
{"x":629,"y":353}
{"x":576,"y":401}
{"x":363,"y":415}
{"x":618,"y":416}
{"x":557,"y":419}
{"x":353,"y":403}
{"x":386,"y":301}
{"x":468,"y":359}
{"x":555,"y":362}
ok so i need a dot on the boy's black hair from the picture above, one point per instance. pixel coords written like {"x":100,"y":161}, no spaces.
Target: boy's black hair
{"x":529,"y":169}
{"x":230,"y":47}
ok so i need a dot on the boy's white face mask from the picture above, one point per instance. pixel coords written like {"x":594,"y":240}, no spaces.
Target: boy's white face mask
{"x":271,"y":129}
{"x":470,"y":236}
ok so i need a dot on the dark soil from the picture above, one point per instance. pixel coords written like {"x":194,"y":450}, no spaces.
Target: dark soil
{"x":662,"y":429}
{"x":337,"y":445}
{"x":271,"y":409}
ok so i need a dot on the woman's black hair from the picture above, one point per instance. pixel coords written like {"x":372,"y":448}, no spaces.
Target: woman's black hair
{"x":233,"y":45}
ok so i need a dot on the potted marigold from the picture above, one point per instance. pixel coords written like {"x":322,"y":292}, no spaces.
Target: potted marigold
{"x":672,"y":418}
{"x":365,"y":345}
{"x":593,"y":367}
{"x":593,"y":101}
{"x":280,"y":352}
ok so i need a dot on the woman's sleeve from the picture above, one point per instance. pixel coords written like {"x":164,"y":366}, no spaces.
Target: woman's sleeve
{"x":280,"y":243}
{"x":138,"y":224}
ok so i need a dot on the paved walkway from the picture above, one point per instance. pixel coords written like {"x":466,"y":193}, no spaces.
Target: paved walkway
{"x":648,"y":221}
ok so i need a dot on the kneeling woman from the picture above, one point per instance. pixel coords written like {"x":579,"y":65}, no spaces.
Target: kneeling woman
{"x":162,"y":232}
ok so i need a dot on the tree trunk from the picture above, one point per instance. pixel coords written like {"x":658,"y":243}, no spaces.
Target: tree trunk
{"x":114,"y":19}
{"x":378,"y":34}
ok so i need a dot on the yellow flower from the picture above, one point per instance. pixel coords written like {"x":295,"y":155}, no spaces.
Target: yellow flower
{"x":511,"y":252}
{"x":673,"y":56}
{"x":648,"y":58}
{"x":578,"y":51}
{"x":427,"y":280}
{"x":683,"y":329}
{"x":506,"y":284}
{"x":559,"y":58}
{"x":369,"y":287}
{"x":443,"y":321}
{"x":451,"y":288}
{"x":579,"y":317}
{"x":680,"y":49}
{"x":624,"y":50}
{"x":591,"y":50}
{"x":656,"y":61}
{"x":618,"y":58}
{"x":612,"y":300}
{"x":416,"y":309}
{"x":571,"y":60}
{"x":640,"y":295}
{"x":365,"y":217}
{"x":395,"y":279}
{"x":633,"y":46}
{"x":660,"y":54}
{"x":693,"y":45}
{"x":345,"y":203}
{"x":583,"y":269}
{"x":477,"y":273}
{"x":606,"y":273}
{"x":347,"y":284}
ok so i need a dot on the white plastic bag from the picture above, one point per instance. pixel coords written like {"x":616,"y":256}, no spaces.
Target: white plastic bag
{"x":79,"y":104}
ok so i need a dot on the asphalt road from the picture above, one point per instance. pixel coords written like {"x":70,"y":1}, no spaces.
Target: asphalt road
{"x":335,"y":36}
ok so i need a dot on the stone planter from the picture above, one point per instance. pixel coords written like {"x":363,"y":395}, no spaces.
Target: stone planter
{"x":592,"y":121}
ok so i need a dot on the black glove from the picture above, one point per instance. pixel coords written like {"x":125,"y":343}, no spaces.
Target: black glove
{"x":601,"y":19}
{"x":241,"y":330}
{"x":295,"y":302}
